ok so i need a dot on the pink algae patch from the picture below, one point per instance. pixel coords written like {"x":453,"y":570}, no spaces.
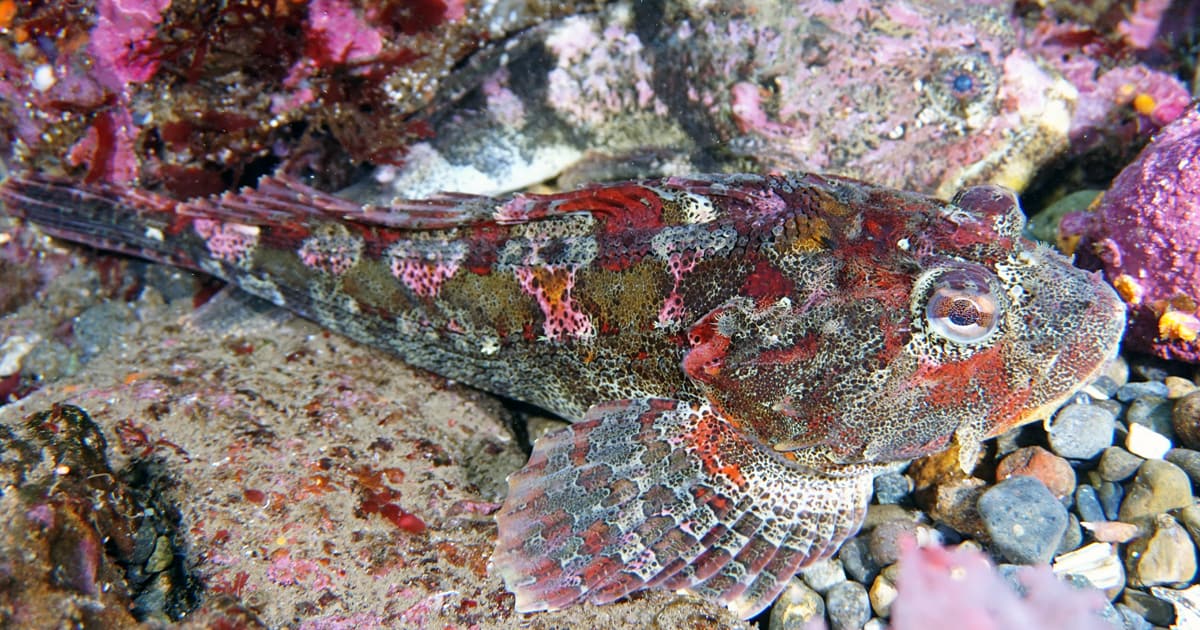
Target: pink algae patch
{"x":229,"y":242}
{"x":673,"y":310}
{"x":331,"y":254}
{"x":551,"y":286}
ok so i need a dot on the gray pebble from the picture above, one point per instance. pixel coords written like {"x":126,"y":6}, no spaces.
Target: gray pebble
{"x":856,"y":560}
{"x":1082,"y":431}
{"x":1118,"y":464}
{"x":1025,"y":522}
{"x":823,"y":575}
{"x":1152,"y":609}
{"x":1188,"y":460}
{"x":1087,"y":504}
{"x":1153,"y":412}
{"x":1110,"y":495}
{"x":848,"y":606}
{"x":1132,"y":620}
{"x":1072,"y":537}
{"x":796,"y":607}
{"x":892,"y":488}
{"x":1157,"y":487}
{"x":1105,"y":385}
{"x":1130,"y":391}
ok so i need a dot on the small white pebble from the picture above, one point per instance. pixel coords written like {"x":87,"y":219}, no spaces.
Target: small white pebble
{"x":43,"y":78}
{"x":1146,"y":442}
{"x":1098,"y":562}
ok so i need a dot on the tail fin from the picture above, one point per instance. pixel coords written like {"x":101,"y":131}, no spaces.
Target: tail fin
{"x":105,"y":216}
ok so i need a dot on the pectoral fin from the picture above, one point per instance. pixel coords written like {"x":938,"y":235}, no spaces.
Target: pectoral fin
{"x":657,"y":493}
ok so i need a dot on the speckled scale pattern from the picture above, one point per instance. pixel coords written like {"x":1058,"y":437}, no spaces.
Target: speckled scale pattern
{"x":752,"y":349}
{"x":662,"y":493}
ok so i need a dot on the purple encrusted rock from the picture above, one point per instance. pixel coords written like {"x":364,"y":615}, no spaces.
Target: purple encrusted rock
{"x":1145,"y":234}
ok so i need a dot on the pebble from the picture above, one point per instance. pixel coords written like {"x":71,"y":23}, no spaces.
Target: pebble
{"x":1087,"y":504}
{"x":1153,"y":412}
{"x":1104,"y":384}
{"x":875,"y":623}
{"x":1145,"y":442}
{"x":1072,"y":536}
{"x":1178,"y":387}
{"x":1166,"y":556}
{"x":1129,"y":391}
{"x":883,"y":591}
{"x":823,"y":575}
{"x":1185,"y":419}
{"x":1148,"y":607}
{"x":1133,"y":621}
{"x":1188,"y":460}
{"x":1118,"y":464}
{"x":1111,"y":495}
{"x":856,"y":560}
{"x":1023,"y":519}
{"x":891,"y":488}
{"x":885,"y":540}
{"x":1034,"y":461}
{"x":955,"y":504}
{"x":1189,"y":517}
{"x":848,"y":606}
{"x":1082,"y":431}
{"x":1114,"y":531}
{"x":797,"y":608}
{"x":1158,"y":486}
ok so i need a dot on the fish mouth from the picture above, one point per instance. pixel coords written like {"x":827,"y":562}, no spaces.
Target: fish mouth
{"x":1086,"y":339}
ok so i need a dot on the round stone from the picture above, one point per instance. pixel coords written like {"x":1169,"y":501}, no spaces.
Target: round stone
{"x":1158,"y":486}
{"x":1023,"y":519}
{"x":848,"y":606}
{"x":883,"y":593}
{"x":1118,"y":464}
{"x":1130,"y":391}
{"x":1034,"y":461}
{"x":1178,"y":387}
{"x":856,"y":560}
{"x":1152,"y":412}
{"x":797,"y":607}
{"x":1188,"y":460}
{"x":823,"y":575}
{"x":1087,"y":504}
{"x":885,"y":540}
{"x":1185,"y":419}
{"x":892,"y":488}
{"x":1167,"y":556}
{"x":1111,"y":495}
{"x":1072,"y":536}
{"x":1082,"y":431}
{"x":1146,"y":442}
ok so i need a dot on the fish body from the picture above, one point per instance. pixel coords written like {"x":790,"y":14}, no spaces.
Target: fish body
{"x":739,"y":354}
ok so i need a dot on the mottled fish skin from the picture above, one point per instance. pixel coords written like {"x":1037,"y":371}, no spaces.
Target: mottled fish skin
{"x":929,"y":96}
{"x":740,"y":353}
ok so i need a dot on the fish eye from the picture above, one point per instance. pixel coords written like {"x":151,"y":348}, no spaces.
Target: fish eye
{"x":961,"y":307}
{"x":962,"y":83}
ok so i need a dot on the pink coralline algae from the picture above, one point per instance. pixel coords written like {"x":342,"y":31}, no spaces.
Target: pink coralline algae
{"x":1119,"y":98}
{"x":122,"y":42}
{"x":1145,"y":234}
{"x":937,"y":584}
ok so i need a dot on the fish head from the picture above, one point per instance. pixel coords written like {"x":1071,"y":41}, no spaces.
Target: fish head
{"x":917,"y":322}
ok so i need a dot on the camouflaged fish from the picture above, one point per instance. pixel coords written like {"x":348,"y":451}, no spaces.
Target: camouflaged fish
{"x":740,"y":354}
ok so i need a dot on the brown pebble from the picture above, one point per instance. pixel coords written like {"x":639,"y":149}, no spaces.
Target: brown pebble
{"x":1037,"y":462}
{"x":1185,"y":419}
